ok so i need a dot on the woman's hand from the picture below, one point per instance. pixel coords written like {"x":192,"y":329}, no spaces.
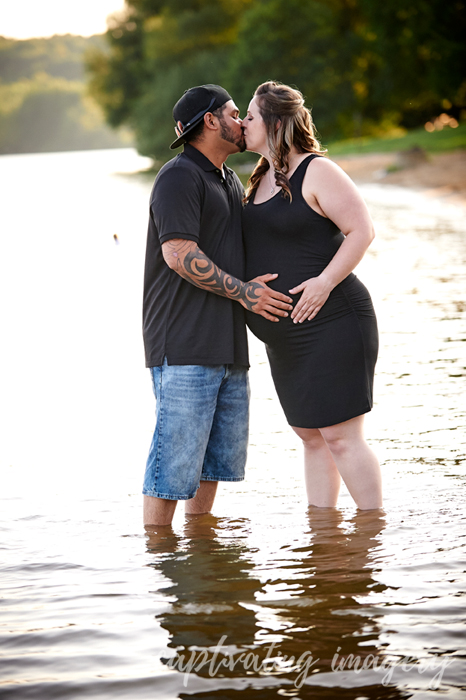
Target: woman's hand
{"x":315,"y":292}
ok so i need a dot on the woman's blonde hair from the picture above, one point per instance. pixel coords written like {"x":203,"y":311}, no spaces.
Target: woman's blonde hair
{"x":288,"y":123}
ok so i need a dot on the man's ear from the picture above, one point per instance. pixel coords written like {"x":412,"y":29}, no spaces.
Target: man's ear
{"x":210,"y":121}
{"x":179,"y":128}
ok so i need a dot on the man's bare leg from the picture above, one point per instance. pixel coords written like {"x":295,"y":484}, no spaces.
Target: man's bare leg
{"x":203,"y":500}
{"x":158,"y":511}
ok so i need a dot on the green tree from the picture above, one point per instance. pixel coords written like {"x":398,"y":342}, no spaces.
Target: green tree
{"x":363,"y":66}
{"x":421,"y":51}
{"x":50,"y":114}
{"x":58,"y":56}
{"x":158,"y":49}
{"x":43,"y":100}
{"x":319,"y":46}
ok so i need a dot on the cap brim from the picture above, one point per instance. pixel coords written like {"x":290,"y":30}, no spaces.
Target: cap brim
{"x":181,"y":139}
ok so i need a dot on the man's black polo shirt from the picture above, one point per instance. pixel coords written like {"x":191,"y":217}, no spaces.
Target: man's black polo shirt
{"x":181,"y":322}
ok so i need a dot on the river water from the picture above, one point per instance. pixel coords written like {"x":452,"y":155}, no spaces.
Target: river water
{"x":263,"y":597}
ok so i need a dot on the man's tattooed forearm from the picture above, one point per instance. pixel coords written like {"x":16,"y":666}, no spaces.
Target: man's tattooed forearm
{"x":198,"y":269}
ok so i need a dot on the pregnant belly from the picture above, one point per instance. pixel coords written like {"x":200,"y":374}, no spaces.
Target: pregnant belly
{"x":276,"y":331}
{"x":349,"y":297}
{"x":270,"y":332}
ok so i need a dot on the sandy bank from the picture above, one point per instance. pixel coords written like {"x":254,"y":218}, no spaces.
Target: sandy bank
{"x":442,"y":175}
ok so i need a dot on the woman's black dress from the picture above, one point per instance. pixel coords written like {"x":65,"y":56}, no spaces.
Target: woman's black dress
{"x":323,"y":369}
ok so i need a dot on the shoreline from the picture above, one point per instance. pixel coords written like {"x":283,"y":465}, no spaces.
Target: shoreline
{"x":441,"y":175}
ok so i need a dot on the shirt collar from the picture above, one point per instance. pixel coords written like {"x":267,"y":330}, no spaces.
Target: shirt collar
{"x":202,"y":160}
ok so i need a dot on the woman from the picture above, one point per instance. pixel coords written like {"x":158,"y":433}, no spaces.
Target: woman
{"x":305,"y":220}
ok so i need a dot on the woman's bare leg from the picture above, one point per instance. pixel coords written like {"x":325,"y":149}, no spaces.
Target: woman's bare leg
{"x":320,"y":472}
{"x":356,"y":462}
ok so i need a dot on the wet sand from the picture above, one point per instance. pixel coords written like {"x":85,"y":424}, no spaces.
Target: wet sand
{"x":440,"y":175}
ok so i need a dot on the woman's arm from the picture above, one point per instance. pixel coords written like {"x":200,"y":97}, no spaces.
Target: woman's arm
{"x":330,"y":192}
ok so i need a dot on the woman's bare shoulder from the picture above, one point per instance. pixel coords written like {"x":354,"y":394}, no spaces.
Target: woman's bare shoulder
{"x":324,"y":164}
{"x":322,"y":172}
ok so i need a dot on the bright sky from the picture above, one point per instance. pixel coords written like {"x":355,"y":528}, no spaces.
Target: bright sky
{"x":23,"y":19}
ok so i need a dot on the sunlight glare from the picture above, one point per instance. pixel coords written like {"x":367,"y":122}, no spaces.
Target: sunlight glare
{"x":25,"y":19}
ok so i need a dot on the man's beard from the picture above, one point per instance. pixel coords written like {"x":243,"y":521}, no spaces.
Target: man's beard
{"x":227,"y":135}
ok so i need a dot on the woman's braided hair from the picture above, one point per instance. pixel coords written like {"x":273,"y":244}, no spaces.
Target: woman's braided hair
{"x":288,"y":123}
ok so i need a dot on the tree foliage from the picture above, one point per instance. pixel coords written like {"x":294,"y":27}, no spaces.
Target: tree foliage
{"x":422,"y":55}
{"x":363,"y":65}
{"x":43,"y":100}
{"x":156,"y":51}
{"x":58,"y":56}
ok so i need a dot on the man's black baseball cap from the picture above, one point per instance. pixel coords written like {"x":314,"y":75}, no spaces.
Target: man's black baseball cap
{"x":194,"y":104}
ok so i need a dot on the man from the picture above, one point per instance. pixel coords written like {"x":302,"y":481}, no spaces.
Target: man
{"x":194,"y":331}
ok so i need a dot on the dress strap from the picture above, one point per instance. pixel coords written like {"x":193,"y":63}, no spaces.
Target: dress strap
{"x":298,"y":175}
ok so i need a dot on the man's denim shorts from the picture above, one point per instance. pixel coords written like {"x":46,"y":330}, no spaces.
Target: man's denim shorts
{"x":201,"y":431}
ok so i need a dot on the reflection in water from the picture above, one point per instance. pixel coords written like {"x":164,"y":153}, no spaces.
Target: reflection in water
{"x":211,"y":581}
{"x":318,"y":589}
{"x":285,"y":620}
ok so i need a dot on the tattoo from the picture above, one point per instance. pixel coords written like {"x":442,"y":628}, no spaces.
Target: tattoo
{"x":197,"y":268}
{"x":251,"y":297}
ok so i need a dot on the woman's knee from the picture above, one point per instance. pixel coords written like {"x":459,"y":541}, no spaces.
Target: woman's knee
{"x":311,"y":437}
{"x":343,"y":437}
{"x":337,"y":444}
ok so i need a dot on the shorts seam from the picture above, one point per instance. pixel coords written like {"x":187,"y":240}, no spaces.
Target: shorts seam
{"x":222,"y":478}
{"x":159,"y":428}
{"x":170,"y":496}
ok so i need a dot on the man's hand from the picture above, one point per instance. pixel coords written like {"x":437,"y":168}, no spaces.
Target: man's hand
{"x":188,"y":260}
{"x":264,"y":301}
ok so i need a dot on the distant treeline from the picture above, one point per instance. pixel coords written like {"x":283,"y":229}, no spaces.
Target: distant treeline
{"x":44,"y":105}
{"x":364,"y":66}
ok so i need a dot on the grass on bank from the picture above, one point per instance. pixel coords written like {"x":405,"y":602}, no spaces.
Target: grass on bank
{"x":435,"y":142}
{"x":447,"y":139}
